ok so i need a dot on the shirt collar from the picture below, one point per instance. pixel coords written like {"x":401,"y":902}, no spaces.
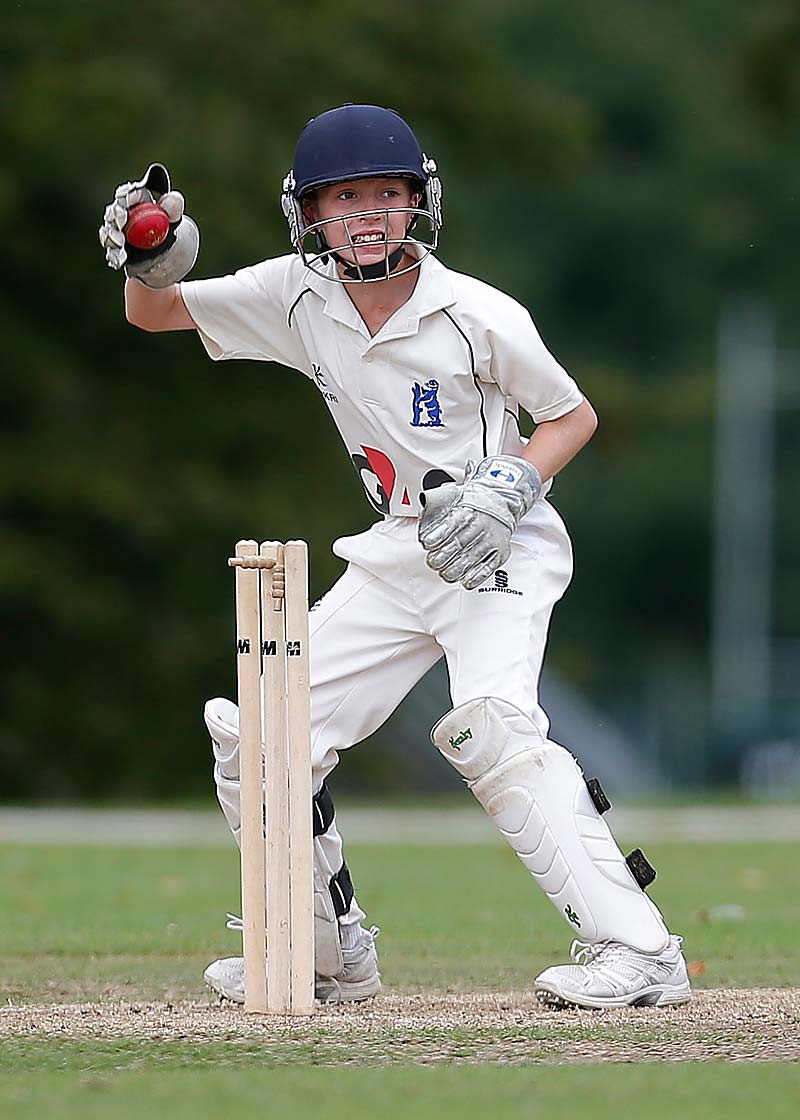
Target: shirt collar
{"x":433,"y":292}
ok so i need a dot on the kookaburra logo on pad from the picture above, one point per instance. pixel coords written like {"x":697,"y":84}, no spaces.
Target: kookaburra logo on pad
{"x":456,"y":741}
{"x":572,"y":916}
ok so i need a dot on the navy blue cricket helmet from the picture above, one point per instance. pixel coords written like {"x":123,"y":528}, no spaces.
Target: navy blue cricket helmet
{"x":355,"y":142}
{"x":359,"y":142}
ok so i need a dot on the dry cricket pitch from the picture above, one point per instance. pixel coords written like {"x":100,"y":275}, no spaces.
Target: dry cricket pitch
{"x":504,"y":1027}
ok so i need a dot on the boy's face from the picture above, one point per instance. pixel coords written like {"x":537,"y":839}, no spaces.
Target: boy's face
{"x":369,"y":233}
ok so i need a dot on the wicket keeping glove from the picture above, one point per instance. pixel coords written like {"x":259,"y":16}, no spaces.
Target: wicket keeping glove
{"x":466,"y":528}
{"x":175,"y":256}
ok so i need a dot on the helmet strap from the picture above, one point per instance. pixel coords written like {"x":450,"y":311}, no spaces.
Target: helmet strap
{"x":321,"y":245}
{"x":371,"y":271}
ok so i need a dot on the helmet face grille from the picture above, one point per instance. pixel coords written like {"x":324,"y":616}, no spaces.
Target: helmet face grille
{"x":316,"y":249}
{"x":360,"y":142}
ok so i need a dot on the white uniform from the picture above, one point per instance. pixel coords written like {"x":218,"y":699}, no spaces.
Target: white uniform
{"x":440,"y":383}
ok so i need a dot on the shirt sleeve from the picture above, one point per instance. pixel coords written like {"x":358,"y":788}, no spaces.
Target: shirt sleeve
{"x":524,"y":368}
{"x":245,"y":315}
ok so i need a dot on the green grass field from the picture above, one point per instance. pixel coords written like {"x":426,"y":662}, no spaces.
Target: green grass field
{"x":118,"y":926}
{"x":196,"y":1091}
{"x":142,"y":923}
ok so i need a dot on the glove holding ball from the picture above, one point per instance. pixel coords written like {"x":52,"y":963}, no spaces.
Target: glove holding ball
{"x":145,"y":230}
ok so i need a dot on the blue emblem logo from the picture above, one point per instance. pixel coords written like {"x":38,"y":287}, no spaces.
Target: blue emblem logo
{"x":506,"y":473}
{"x":426,"y":410}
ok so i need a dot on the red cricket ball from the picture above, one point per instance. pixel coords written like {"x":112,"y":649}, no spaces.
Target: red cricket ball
{"x":147,"y":226}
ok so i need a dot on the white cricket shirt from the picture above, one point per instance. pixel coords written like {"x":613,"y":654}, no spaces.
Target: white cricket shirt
{"x":440,"y":383}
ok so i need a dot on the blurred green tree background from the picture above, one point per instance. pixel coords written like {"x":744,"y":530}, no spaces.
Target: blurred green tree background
{"x":623,"y":169}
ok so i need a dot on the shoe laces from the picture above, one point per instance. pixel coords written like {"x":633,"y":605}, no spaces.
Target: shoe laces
{"x":234,"y":922}
{"x":365,"y":943}
{"x":584,"y":952}
{"x":612,"y":957}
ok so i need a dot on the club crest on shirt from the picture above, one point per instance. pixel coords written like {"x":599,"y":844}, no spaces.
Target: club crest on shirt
{"x":426,"y":412}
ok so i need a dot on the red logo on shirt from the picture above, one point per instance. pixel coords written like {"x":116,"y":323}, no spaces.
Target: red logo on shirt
{"x":378,"y":475}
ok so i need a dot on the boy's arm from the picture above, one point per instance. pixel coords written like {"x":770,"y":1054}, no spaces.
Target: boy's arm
{"x":242,"y":315}
{"x":156,"y":309}
{"x":555,"y":442}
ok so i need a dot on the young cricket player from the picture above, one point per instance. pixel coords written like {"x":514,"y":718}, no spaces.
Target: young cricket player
{"x":424,"y":371}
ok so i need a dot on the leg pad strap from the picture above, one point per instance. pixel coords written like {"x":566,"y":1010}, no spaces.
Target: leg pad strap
{"x":641,"y":869}
{"x":599,"y":799}
{"x":322,"y":811}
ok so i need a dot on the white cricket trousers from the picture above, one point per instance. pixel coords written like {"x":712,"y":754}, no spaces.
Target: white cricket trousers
{"x":390,"y":617}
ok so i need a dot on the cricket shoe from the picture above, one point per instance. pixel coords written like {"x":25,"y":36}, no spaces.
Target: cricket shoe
{"x":609,"y":974}
{"x":358,"y":980}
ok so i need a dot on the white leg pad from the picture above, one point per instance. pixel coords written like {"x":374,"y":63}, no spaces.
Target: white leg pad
{"x":536,"y":794}
{"x":222,"y":720}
